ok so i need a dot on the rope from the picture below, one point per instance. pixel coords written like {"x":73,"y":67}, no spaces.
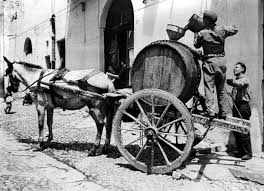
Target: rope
{"x":38,"y":80}
{"x":229,"y":93}
{"x":37,"y":26}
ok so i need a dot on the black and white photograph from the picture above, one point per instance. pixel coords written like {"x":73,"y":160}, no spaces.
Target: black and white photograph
{"x":131,"y":95}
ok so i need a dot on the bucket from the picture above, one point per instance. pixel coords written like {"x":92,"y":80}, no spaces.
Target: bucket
{"x":195,"y":24}
{"x":175,"y":32}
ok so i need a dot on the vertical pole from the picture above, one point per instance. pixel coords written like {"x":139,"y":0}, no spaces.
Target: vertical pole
{"x":2,"y":86}
{"x":84,"y":22}
{"x":53,"y":36}
{"x":53,"y":41}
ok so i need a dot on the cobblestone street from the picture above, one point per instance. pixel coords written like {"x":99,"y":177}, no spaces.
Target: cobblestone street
{"x":74,"y":133}
{"x":23,"y":169}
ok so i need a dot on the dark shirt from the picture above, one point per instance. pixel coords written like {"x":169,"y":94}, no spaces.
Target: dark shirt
{"x":213,"y":40}
{"x":241,"y":90}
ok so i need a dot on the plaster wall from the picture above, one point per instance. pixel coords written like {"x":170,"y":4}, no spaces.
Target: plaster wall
{"x":83,"y":37}
{"x":1,"y":51}
{"x":34,"y":22}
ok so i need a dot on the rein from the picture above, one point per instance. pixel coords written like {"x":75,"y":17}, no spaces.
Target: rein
{"x":38,"y":80}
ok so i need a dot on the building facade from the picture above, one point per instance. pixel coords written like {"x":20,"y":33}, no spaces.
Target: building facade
{"x":105,"y":34}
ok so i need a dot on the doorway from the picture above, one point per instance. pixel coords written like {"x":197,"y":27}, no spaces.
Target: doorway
{"x":61,"y":50}
{"x":119,"y":41}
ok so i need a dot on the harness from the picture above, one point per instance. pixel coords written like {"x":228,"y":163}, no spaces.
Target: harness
{"x":59,"y":75}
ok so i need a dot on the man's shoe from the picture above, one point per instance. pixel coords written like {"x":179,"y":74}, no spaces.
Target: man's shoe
{"x":235,"y":154}
{"x":247,"y":157}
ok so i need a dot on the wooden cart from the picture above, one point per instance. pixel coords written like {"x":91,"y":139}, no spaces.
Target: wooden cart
{"x":153,"y":128}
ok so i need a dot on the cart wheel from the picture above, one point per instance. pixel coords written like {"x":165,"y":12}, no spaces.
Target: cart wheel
{"x":161,"y":134}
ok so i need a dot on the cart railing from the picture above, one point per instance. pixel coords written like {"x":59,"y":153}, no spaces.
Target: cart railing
{"x":231,"y":123}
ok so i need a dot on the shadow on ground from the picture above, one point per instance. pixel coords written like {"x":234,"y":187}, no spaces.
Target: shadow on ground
{"x":113,"y":152}
{"x":203,"y":161}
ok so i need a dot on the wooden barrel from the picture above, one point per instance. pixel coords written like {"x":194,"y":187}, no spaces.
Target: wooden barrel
{"x":167,"y":65}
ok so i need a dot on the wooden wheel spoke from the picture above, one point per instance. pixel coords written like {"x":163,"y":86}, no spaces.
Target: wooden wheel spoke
{"x":137,"y":139}
{"x":173,"y":134}
{"x":135,"y":119}
{"x":183,"y":128}
{"x":163,"y":114}
{"x":164,"y":155}
{"x":143,"y":112}
{"x":141,"y":150}
{"x":174,"y":121}
{"x":137,"y":130}
{"x":151,"y":164}
{"x":166,"y":131}
{"x":170,"y":144}
{"x":152,"y":110}
{"x":152,"y":155}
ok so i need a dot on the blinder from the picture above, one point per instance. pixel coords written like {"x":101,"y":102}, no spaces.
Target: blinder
{"x":8,"y":71}
{"x":13,"y":81}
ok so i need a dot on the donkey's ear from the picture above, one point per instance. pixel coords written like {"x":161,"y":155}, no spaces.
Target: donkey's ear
{"x":8,"y":62}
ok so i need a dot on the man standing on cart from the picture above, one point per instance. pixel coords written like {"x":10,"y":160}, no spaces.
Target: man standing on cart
{"x":212,"y":40}
{"x":241,"y":108}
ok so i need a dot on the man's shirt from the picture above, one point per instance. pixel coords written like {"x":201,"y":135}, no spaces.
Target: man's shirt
{"x":240,"y":91}
{"x":213,"y":40}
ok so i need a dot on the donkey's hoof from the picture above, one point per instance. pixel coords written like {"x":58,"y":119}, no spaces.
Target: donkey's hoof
{"x":49,"y":140}
{"x":37,"y":149}
{"x":43,"y":146}
{"x":105,"y":150}
{"x":92,"y":152}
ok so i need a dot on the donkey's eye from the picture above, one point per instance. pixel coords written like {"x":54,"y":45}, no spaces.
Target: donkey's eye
{"x":7,"y":72}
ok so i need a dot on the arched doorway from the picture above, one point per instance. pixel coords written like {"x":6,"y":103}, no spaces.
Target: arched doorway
{"x":119,"y":40}
{"x":27,"y":46}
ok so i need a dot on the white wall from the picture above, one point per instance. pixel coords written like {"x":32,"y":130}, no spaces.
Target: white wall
{"x":35,"y":24}
{"x":83,"y":36}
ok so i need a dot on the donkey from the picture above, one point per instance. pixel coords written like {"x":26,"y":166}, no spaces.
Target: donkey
{"x":34,"y":76}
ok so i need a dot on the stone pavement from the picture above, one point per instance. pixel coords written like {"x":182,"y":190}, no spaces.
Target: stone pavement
{"x":23,"y":169}
{"x":213,"y":164}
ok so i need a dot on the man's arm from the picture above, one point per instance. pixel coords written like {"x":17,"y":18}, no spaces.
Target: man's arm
{"x":197,"y":40}
{"x":230,"y":30}
{"x":238,"y":83}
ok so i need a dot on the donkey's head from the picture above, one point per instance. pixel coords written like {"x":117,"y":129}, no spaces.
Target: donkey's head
{"x":14,"y":78}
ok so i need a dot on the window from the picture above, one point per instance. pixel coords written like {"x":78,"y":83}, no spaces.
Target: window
{"x":28,"y":46}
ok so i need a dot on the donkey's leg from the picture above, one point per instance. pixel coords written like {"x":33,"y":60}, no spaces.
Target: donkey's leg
{"x":41,"y":117}
{"x":99,"y":121}
{"x":108,"y":127}
{"x":49,"y":123}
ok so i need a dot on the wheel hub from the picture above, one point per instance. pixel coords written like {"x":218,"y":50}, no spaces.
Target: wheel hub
{"x":151,"y":133}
